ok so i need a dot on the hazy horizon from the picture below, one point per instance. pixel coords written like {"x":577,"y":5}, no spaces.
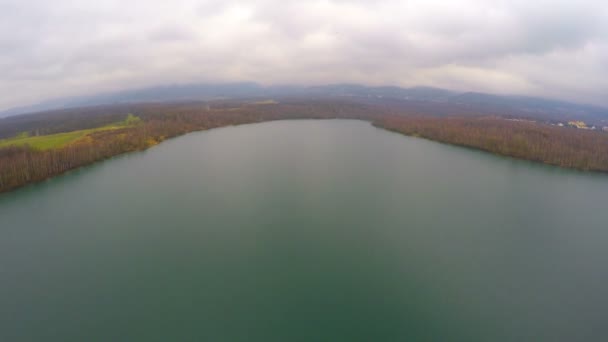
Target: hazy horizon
{"x":68,"y":101}
{"x":549,"y":49}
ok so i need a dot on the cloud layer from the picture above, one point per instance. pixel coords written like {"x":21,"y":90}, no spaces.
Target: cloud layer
{"x":61,"y":48}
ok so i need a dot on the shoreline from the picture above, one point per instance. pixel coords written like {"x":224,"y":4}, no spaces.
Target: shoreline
{"x":151,"y":142}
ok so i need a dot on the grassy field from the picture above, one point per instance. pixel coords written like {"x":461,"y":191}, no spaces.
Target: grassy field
{"x":51,"y":141}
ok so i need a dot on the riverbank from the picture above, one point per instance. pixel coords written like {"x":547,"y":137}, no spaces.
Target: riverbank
{"x":564,"y":147}
{"x":570,"y":148}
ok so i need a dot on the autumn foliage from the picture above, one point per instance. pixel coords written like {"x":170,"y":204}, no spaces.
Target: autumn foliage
{"x":19,"y":166}
{"x":560,"y":146}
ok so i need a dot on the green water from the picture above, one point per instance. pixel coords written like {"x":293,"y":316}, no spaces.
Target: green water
{"x":306,"y":231}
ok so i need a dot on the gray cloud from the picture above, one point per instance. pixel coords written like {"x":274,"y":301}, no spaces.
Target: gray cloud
{"x":552,"y":48}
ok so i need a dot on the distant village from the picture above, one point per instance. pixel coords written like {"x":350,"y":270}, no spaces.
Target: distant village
{"x":582,"y":125}
{"x":573,"y":124}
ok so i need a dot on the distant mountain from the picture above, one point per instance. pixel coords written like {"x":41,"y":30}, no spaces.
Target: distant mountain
{"x":533,"y":107}
{"x":202,"y":92}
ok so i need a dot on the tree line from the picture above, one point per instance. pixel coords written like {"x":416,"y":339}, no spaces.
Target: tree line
{"x":585,"y":150}
{"x":565,"y":147}
{"x":21,"y":165}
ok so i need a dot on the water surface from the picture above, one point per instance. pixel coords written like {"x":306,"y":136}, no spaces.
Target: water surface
{"x":306,"y":231}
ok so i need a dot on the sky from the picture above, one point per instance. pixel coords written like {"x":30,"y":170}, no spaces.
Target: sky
{"x":556,"y":49}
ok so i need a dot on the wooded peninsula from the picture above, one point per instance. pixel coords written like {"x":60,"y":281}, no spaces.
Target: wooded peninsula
{"x":36,"y":147}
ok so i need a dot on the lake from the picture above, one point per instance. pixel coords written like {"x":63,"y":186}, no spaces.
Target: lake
{"x":306,"y":230}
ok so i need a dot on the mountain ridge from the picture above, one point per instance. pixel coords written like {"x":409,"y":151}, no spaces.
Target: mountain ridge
{"x":536,"y":106}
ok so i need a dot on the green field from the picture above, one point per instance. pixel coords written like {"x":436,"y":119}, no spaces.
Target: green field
{"x":46,"y":142}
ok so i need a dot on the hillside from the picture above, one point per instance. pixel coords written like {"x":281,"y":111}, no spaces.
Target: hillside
{"x":425,"y":97}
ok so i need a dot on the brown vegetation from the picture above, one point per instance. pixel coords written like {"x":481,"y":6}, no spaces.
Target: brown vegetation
{"x":23,"y":165}
{"x":565,"y":147}
{"x":19,"y":166}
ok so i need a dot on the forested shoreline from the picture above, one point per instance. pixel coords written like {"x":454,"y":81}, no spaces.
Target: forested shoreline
{"x":22,"y":165}
{"x":583,"y":150}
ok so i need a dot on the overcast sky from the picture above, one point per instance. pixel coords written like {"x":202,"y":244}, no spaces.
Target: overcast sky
{"x":54,"y":48}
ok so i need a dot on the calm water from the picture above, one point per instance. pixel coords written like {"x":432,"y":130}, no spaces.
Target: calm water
{"x":306,"y":231}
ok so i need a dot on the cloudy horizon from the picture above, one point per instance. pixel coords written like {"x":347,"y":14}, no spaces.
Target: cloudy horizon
{"x":554,"y":49}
